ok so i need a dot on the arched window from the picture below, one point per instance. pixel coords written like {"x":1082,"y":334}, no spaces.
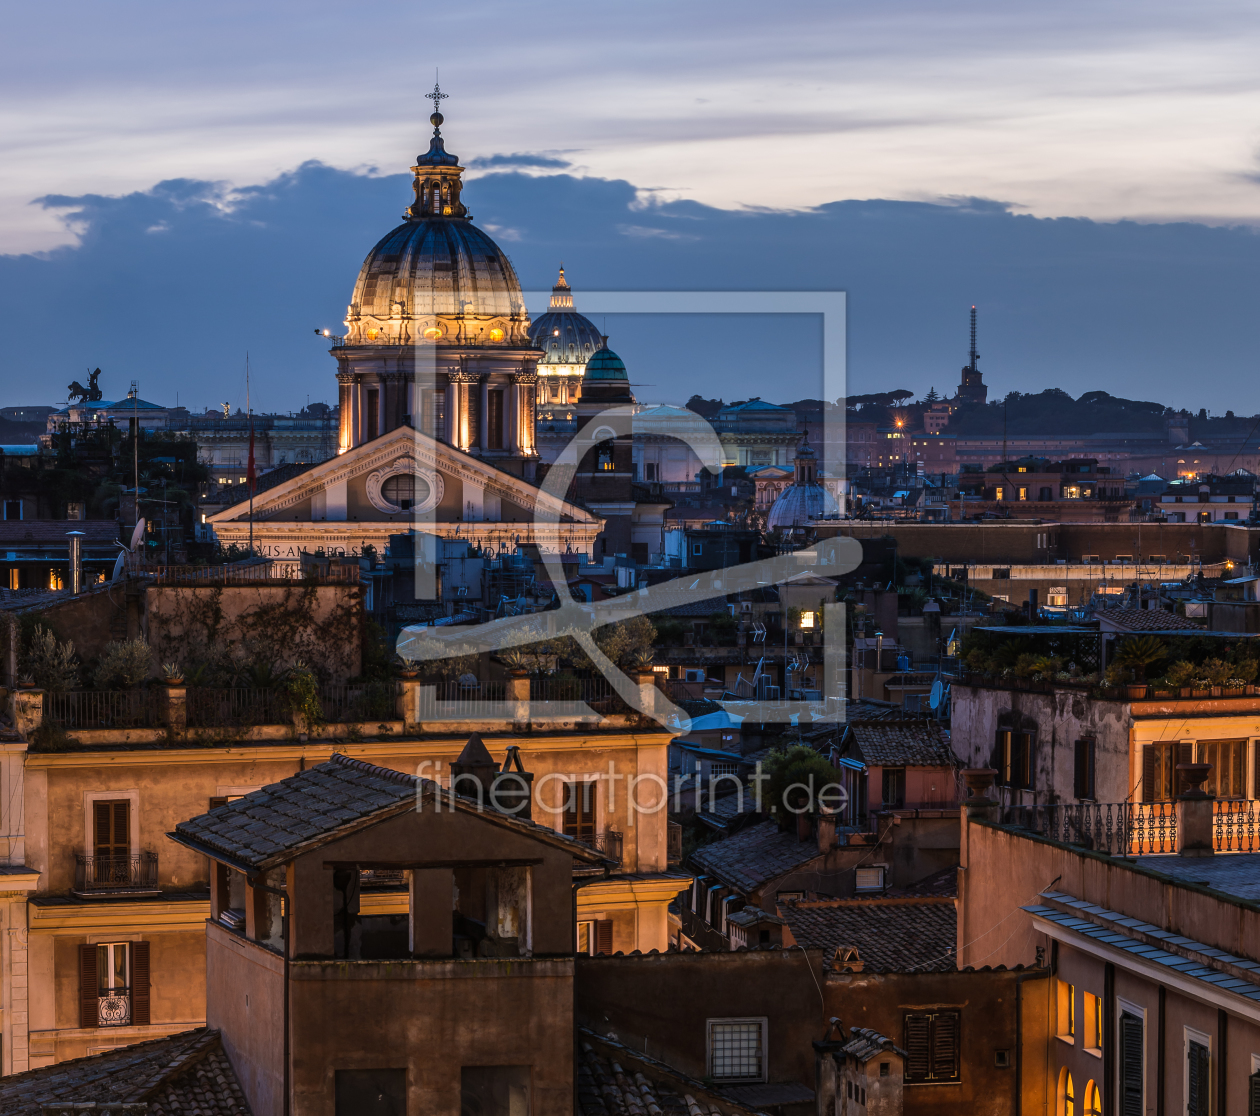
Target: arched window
{"x":1067,"y":1094}
{"x":1093,"y":1101}
{"x":400,"y":491}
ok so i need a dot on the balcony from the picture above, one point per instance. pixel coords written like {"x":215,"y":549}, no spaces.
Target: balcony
{"x":609,"y":843}
{"x":113,"y":1008}
{"x":116,"y":876}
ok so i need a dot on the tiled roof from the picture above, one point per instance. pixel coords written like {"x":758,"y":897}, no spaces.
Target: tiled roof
{"x":867,"y":1044}
{"x":1146,"y":620}
{"x":754,"y":856}
{"x":274,"y":823}
{"x":940,"y":884}
{"x":902,"y":744}
{"x":280,"y":474}
{"x":52,"y":532}
{"x":614,"y":1080}
{"x":891,"y":935}
{"x":698,"y":707}
{"x":692,"y":609}
{"x":183,"y":1075}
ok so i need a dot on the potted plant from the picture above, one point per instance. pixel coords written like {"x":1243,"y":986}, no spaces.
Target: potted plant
{"x":1216,"y":673}
{"x":405,"y":667}
{"x":172,"y":674}
{"x":26,"y":682}
{"x":1138,"y":654}
{"x":516,"y":661}
{"x":1180,"y":675}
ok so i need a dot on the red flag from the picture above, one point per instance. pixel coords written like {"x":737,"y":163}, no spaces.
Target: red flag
{"x":250,"y":475}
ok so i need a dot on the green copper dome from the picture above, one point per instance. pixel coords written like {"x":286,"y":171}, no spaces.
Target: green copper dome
{"x":606,"y":365}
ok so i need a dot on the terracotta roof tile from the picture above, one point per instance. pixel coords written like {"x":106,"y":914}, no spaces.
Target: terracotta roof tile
{"x":179,"y":1075}
{"x":891,"y":935}
{"x":754,"y":856}
{"x":1146,"y":620}
{"x":902,"y":744}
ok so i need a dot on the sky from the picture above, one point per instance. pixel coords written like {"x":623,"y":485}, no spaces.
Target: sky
{"x":185,"y":183}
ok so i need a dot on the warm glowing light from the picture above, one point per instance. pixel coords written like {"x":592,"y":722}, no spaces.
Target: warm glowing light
{"x":807,"y":619}
{"x":496,"y":334}
{"x":371,"y":334}
{"x":433,"y":332}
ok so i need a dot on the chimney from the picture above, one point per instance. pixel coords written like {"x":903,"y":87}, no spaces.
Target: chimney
{"x":513,"y":790}
{"x":1195,"y":812}
{"x":472,"y":775}
{"x":826,"y":832}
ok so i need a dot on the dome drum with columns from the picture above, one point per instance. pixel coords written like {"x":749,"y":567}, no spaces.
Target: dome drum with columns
{"x":804,"y":499}
{"x":568,"y":340}
{"x":437,"y":332}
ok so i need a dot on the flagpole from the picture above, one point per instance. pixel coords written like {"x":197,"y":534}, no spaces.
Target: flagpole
{"x":249,"y":471}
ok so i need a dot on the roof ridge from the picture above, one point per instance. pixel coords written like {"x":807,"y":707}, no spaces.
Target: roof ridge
{"x":882,"y":901}
{"x":197,"y":1051}
{"x":387,"y":773}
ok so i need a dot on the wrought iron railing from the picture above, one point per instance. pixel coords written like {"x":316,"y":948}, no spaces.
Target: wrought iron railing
{"x":235,"y":707}
{"x":595,"y":692}
{"x":92,"y":709}
{"x":116,"y":873}
{"x":1135,"y":828}
{"x":609,"y":843}
{"x":113,"y":1008}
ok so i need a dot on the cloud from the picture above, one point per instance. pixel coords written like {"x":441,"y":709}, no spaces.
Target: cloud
{"x":1161,"y":312}
{"x":518,"y":160}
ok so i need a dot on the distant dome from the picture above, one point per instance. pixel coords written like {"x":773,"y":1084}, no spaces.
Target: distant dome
{"x":805,"y":498}
{"x":606,"y":365}
{"x":798,"y":504}
{"x":564,"y":335}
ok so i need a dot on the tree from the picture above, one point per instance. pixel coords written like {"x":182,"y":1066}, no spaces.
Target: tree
{"x":931,"y":396}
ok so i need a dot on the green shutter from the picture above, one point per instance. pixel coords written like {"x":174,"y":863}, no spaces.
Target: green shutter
{"x":1131,"y":1066}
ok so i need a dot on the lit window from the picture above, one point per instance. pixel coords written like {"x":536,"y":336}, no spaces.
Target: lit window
{"x":1023,"y":493}
{"x":1093,"y":1029}
{"x":1067,"y":1011}
{"x":807,"y":619}
{"x":1093,"y":1101}
{"x":1000,"y":492}
{"x":1067,"y":1095}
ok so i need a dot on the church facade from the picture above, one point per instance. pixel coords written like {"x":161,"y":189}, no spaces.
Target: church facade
{"x":438,"y":386}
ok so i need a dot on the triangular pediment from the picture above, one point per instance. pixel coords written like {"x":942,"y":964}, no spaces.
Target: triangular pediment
{"x":449,"y":487}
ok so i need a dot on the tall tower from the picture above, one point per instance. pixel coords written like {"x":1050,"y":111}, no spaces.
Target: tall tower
{"x":437,"y":336}
{"x":972,"y":389}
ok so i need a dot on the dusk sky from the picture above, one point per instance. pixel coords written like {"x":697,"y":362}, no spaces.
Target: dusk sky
{"x":213,"y":175}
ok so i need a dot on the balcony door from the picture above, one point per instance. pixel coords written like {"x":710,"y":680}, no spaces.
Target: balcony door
{"x":579,"y":811}
{"x":111,"y":845}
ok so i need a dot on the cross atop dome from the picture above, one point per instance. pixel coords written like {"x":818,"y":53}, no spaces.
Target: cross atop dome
{"x":437,"y":97}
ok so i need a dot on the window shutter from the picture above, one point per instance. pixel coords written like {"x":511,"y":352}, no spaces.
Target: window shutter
{"x":1253,"y":1095}
{"x":88,"y":990}
{"x":1185,"y":754}
{"x":104,"y":826}
{"x":918,"y":1046}
{"x":1078,"y":780}
{"x":945,"y":1046}
{"x":1199,"y":1087}
{"x":1131,"y":1066}
{"x":1150,"y":787}
{"x":1026,"y":760}
{"x":603,"y":936}
{"x":1002,"y":758}
{"x":140,"y":984}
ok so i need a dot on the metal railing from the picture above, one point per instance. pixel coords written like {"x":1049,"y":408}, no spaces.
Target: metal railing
{"x":93,"y":709}
{"x":591,"y":691}
{"x":609,"y":843}
{"x":1135,"y":828}
{"x":113,"y":1008}
{"x":235,"y":707}
{"x":116,"y":873}
{"x":371,"y":702}
{"x":249,"y":573}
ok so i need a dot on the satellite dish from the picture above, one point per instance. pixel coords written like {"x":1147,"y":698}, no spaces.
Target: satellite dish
{"x":137,"y":535}
{"x":118,"y":565}
{"x":938,"y":691}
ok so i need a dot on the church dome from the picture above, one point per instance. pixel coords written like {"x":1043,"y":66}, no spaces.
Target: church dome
{"x":564,"y":335}
{"x":437,"y":275}
{"x":798,"y":504}
{"x":805,"y":498}
{"x":606,"y":365}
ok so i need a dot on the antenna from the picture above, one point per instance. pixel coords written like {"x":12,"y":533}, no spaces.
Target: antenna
{"x":974,"y":355}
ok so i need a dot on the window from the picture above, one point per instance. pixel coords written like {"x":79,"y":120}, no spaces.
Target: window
{"x":586,"y":938}
{"x":697,"y":548}
{"x":737,"y":1049}
{"x":894,"y":789}
{"x":1067,"y":1094}
{"x":1093,"y":1033}
{"x":1198,"y":1078}
{"x":114,"y":984}
{"x":1093,"y":1101}
{"x":13,"y":509}
{"x":1160,"y":781}
{"x":1226,"y":757}
{"x":1066,"y":1015}
{"x":1001,"y":574}
{"x":866,"y":880}
{"x":494,"y":419}
{"x":373,"y":413}
{"x":1023,"y":494}
{"x":579,"y":810}
{"x":999,"y":493}
{"x":400,"y":490}
{"x":1083,"y":770}
{"x":932,"y":1042}
{"x":111,"y":832}
{"x":492,"y":1091}
{"x":1132,"y":1065}
{"x":372,"y":1092}
{"x":1013,"y":759}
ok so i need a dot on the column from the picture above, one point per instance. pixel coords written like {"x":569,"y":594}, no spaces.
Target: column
{"x":447,"y":433}
{"x":511,"y":402}
{"x":16,"y":991}
{"x":345,"y":391}
{"x":483,"y":425}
